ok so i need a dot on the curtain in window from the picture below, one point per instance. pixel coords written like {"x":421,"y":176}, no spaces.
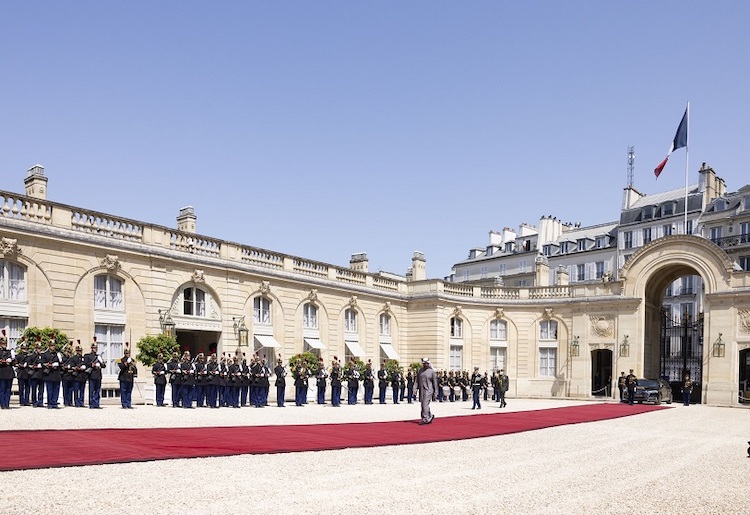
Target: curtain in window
{"x":16,"y":286}
{"x":310,"y":317}
{"x":100,"y":291}
{"x":385,"y":325}
{"x":115,"y":294}
{"x":200,"y":303}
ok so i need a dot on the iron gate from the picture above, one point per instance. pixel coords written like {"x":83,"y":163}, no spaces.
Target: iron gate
{"x":682,"y":351}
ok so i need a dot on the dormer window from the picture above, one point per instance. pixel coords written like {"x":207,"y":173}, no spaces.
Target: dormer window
{"x":648,"y":212}
{"x":581,"y":244}
{"x":667,"y":209}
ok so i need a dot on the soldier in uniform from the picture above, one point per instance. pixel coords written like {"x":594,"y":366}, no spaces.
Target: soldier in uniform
{"x":159,"y":371}
{"x":52,"y":370}
{"x":126,"y":376}
{"x":234,"y":373}
{"x":201,"y":380}
{"x":320,"y":381}
{"x":187,"y":381}
{"x":248,"y":381}
{"x":396,"y":384}
{"x":78,"y":371}
{"x":630,"y":383}
{"x":264,"y":383}
{"x":687,"y":389}
{"x":409,"y":386}
{"x":402,"y":386}
{"x":212,"y":383}
{"x":478,"y":382}
{"x":280,"y":373}
{"x":336,"y":377}
{"x":34,"y":362}
{"x":254,"y":382}
{"x":224,"y":381}
{"x":23,"y":374}
{"x":300,"y":383}
{"x":353,"y":382}
{"x":7,"y":374}
{"x":369,"y":382}
{"x":503,"y":383}
{"x":382,"y":383}
{"x":175,"y":378}
{"x":94,"y":365}
{"x":67,"y":375}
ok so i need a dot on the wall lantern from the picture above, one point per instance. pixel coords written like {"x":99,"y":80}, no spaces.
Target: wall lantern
{"x":625,"y":347}
{"x":719,"y":348}
{"x":240,"y":330}
{"x":575,"y":348}
{"x":167,"y":324}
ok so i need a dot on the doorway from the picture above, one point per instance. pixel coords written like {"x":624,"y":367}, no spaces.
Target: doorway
{"x":601,"y":373}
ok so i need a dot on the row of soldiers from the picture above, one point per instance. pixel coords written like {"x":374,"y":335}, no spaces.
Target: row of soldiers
{"x":41,"y":367}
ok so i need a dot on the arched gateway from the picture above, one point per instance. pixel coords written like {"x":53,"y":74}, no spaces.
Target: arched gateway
{"x":704,"y":346}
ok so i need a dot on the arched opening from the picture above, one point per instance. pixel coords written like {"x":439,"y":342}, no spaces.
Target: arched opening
{"x":601,"y":373}
{"x":673,"y":336}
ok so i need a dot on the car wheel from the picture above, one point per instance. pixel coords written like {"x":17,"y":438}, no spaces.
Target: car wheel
{"x":658,"y":400}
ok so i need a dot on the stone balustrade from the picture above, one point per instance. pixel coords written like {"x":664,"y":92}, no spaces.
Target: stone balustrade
{"x":105,"y":225}
{"x":21,"y":207}
{"x":264,"y":258}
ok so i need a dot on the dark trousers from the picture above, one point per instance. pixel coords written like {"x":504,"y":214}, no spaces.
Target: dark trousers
{"x":160,"y":389}
{"x":631,"y":395}
{"x":200,"y":395}
{"x":369,"y":392}
{"x":175,"y":394}
{"x":381,"y":394}
{"x":79,"y":387}
{"x":300,"y":392}
{"x":409,"y":394}
{"x":53,"y":393}
{"x":476,"y":403}
{"x":336,"y":395}
{"x":280,"y":391}
{"x":212,"y":395}
{"x":24,"y":391}
{"x":5,"y":387}
{"x":353,"y":394}
{"x":322,"y":394}
{"x":501,"y":394}
{"x":126,"y":394}
{"x":686,"y":397}
{"x":67,"y":389}
{"x":396,"y":394}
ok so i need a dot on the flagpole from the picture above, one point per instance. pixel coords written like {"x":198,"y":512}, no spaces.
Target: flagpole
{"x":687,"y":161}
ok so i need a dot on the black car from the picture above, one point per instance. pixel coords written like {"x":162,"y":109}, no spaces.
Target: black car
{"x":653,"y":390}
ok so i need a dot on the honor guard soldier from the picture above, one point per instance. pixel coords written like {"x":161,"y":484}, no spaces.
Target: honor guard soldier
{"x":128,"y":373}
{"x":23,"y":373}
{"x":336,"y":377}
{"x":254,"y":382}
{"x":478,"y":381}
{"x":94,"y":365}
{"x":382,"y":383}
{"x":353,"y":382}
{"x":52,"y":361}
{"x":396,"y":385}
{"x":503,"y":383}
{"x":622,"y":383}
{"x":159,"y":372}
{"x":320,"y":381}
{"x":34,"y":362}
{"x":78,"y":371}
{"x":212,"y":385}
{"x":300,"y":382}
{"x":67,"y":375}
{"x":175,"y":378}
{"x":630,"y":383}
{"x":280,"y":373}
{"x":201,"y":378}
{"x":409,"y":386}
{"x":187,"y":381}
{"x":368,"y":381}
{"x":7,"y":374}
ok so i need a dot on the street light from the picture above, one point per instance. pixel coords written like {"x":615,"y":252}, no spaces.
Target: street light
{"x":625,"y":347}
{"x":719,"y":348}
{"x":167,"y":324}
{"x":240,"y":329}
{"x":575,"y":348}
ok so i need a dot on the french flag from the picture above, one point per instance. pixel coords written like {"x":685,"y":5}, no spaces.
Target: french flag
{"x":680,"y":140}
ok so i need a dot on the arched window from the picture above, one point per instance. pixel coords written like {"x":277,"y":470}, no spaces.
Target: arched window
{"x":350,"y":321}
{"x":108,"y":292}
{"x":262,"y":310}
{"x":498,"y":344}
{"x":385,"y":325}
{"x":548,"y":330}
{"x":194,"y":302}
{"x":12,"y":281}
{"x":498,"y":330}
{"x":310,"y":316}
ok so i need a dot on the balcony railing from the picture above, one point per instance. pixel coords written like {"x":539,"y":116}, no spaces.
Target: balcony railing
{"x":732,"y":241}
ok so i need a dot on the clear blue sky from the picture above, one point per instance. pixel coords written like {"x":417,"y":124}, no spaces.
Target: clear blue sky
{"x":321,"y":129}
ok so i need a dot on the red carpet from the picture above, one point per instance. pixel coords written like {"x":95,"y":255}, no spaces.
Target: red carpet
{"x":63,"y":448}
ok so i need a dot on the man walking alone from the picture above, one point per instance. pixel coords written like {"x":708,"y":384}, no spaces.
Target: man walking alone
{"x":427,"y":384}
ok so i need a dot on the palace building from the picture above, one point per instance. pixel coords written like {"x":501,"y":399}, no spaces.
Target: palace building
{"x":564,"y":309}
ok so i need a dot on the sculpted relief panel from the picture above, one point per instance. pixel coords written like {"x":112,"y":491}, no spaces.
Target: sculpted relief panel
{"x":602,"y":326}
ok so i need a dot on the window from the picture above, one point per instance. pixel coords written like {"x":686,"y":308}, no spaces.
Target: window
{"x":498,"y":330}
{"x":547,"y":362}
{"x":715,"y":234}
{"x":689,"y":229}
{"x":686,"y":285}
{"x":466,"y":275}
{"x":646,"y":235}
{"x":310,"y":316}
{"x":502,"y":269}
{"x":667,"y":209}
{"x":745,"y":263}
{"x":667,"y":229}
{"x":600,"y":242}
{"x":109,"y":340}
{"x":497,"y":358}
{"x":262,"y":311}
{"x":564,"y":247}
{"x":14,"y":328}
{"x":548,"y":330}
{"x":648,"y":212}
{"x":456,"y":358}
{"x":627,"y":238}
{"x":581,"y":245}
{"x":746,"y":202}
{"x":194,"y":302}
{"x":385,"y":325}
{"x":687,"y":309}
{"x":456,"y":329}
{"x":483,"y":272}
{"x":745,"y":232}
{"x":12,"y":281}
{"x":547,"y":250}
{"x":108,"y":293}
{"x":522,"y":266}
{"x":581,"y":272}
{"x":599,"y":269}
{"x":350,"y":321}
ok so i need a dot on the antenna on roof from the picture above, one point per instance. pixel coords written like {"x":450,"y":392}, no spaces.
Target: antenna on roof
{"x":631,"y":162}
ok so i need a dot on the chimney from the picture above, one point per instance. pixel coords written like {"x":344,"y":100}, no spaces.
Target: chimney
{"x":186,"y":220}
{"x":36,"y":182}
{"x":418,"y":267}
{"x":359,"y":262}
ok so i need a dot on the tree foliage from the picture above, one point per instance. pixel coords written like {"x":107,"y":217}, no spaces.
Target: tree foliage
{"x":149,"y":348}
{"x":45,"y":335}
{"x":308,"y":358}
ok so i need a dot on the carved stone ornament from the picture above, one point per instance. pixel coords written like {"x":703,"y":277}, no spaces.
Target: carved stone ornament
{"x":744,"y":320}
{"x":313,"y":295}
{"x":110,"y":262}
{"x":601,"y":326}
{"x":457,"y":312}
{"x":387,"y":307}
{"x":9,"y":247}
{"x":353,"y":301}
{"x":198,"y":276}
{"x":499,"y":313}
{"x":548,"y":313}
{"x":265,"y":287}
